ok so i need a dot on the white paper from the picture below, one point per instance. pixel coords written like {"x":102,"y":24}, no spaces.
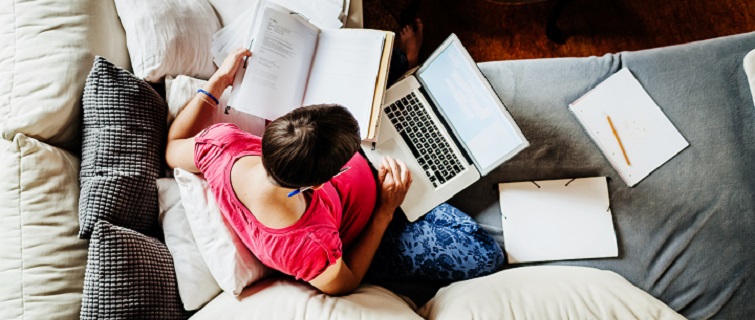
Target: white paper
{"x":237,"y":34}
{"x":557,"y":220}
{"x":345,"y":71}
{"x":648,"y":137}
{"x":276,"y":73}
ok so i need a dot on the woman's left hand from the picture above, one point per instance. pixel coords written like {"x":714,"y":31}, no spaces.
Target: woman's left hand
{"x":395,"y":180}
{"x":227,"y":71}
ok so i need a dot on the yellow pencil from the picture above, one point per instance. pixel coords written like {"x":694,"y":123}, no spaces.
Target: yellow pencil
{"x":617,"y":139}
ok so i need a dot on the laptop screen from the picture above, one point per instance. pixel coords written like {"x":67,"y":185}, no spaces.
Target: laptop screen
{"x":474,"y":112}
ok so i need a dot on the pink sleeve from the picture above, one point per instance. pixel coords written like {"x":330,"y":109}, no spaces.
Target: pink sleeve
{"x":320,"y":249}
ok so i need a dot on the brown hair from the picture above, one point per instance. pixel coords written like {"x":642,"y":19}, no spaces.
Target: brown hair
{"x":309,"y":145}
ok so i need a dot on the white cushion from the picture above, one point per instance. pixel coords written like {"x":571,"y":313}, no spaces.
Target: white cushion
{"x":749,"y":65}
{"x":181,"y":89}
{"x":46,"y":50}
{"x":546,"y":292}
{"x":196,"y":286}
{"x":42,"y":260}
{"x":169,"y":37}
{"x":285,"y":298}
{"x":231,"y":264}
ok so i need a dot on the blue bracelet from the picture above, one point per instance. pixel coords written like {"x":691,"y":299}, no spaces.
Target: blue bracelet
{"x":209,"y":95}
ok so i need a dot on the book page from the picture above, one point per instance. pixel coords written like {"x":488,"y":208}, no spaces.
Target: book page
{"x":276,"y":73}
{"x":557,"y":220}
{"x":345,"y":71}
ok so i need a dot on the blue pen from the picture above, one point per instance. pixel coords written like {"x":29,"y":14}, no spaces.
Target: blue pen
{"x":300,"y":190}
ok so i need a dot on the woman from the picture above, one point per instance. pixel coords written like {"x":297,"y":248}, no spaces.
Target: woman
{"x":301,"y":198}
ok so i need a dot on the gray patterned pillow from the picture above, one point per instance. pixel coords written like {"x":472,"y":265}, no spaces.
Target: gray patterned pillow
{"x":129,"y":276}
{"x":124,"y":134}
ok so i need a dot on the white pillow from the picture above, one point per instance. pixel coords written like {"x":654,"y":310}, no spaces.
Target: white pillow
{"x":749,"y":65}
{"x":46,"y":51}
{"x":42,"y":260}
{"x":546,"y":292}
{"x":229,"y":10}
{"x":231,"y":264}
{"x":196,"y":286}
{"x":169,"y":37}
{"x":285,"y":298}
{"x":181,"y":89}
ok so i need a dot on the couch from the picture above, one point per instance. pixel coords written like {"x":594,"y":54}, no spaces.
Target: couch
{"x":683,"y":232}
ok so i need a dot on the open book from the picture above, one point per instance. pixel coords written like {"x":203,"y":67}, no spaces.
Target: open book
{"x":294,"y":63}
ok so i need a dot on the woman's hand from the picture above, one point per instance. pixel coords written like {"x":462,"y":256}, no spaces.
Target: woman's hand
{"x":227,"y":71}
{"x":394,"y":179}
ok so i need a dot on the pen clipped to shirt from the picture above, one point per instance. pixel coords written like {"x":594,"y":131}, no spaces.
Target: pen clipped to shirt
{"x":615,"y":134}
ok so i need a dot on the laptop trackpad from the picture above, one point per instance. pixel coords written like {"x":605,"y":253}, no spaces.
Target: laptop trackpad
{"x":391,"y":148}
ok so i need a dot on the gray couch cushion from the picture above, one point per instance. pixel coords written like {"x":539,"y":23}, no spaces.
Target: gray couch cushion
{"x":129,"y":276}
{"x":123,"y":142}
{"x":685,"y":231}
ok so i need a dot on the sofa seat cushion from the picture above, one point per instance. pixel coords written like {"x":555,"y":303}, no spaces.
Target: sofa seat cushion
{"x":45,"y":52}
{"x":546,"y":292}
{"x":41,"y":258}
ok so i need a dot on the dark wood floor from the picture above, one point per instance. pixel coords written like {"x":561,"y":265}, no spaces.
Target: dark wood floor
{"x":492,"y":31}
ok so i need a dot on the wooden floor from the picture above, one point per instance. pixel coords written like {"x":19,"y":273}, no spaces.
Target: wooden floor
{"x":492,"y":31}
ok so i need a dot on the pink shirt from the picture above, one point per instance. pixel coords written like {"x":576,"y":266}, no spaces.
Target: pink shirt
{"x":334,"y":218}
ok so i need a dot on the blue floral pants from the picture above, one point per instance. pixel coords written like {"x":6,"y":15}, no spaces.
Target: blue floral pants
{"x":444,"y":245}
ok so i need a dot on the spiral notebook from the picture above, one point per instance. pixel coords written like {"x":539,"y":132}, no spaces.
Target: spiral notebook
{"x":628,"y":126}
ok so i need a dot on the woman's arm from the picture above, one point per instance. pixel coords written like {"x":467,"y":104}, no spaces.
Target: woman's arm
{"x":347,"y":273}
{"x":179,"y":152}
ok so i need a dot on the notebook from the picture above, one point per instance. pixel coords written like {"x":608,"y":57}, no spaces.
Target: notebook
{"x":557,"y":220}
{"x":628,"y":126}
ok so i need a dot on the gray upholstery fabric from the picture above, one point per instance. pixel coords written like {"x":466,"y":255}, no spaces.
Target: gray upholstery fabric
{"x":129,"y":276}
{"x":685,"y":232}
{"x":124,"y":133}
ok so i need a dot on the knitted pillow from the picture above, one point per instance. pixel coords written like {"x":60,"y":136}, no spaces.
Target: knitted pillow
{"x":122,"y":150}
{"x":129,"y":276}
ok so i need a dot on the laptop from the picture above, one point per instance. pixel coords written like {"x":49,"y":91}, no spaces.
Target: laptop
{"x":447,"y":124}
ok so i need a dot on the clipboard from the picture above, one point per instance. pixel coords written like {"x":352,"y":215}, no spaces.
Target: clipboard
{"x":557,"y":220}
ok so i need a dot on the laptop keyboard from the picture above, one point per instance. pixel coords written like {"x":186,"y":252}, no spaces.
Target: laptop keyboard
{"x":424,"y":139}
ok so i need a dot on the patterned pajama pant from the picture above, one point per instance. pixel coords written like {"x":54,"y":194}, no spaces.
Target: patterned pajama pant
{"x":444,"y":245}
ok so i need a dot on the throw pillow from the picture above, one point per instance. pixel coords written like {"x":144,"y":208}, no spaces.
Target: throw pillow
{"x":232,"y":265}
{"x":129,"y":276}
{"x":181,"y":89}
{"x":196,"y":286}
{"x":286,"y":298}
{"x":167,"y":37}
{"x":41,"y":258}
{"x":749,"y":64}
{"x":46,"y":50}
{"x":546,"y":292}
{"x":229,"y":10}
{"x":122,"y":150}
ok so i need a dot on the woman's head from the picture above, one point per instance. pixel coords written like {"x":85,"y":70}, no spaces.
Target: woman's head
{"x":309,"y":145}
